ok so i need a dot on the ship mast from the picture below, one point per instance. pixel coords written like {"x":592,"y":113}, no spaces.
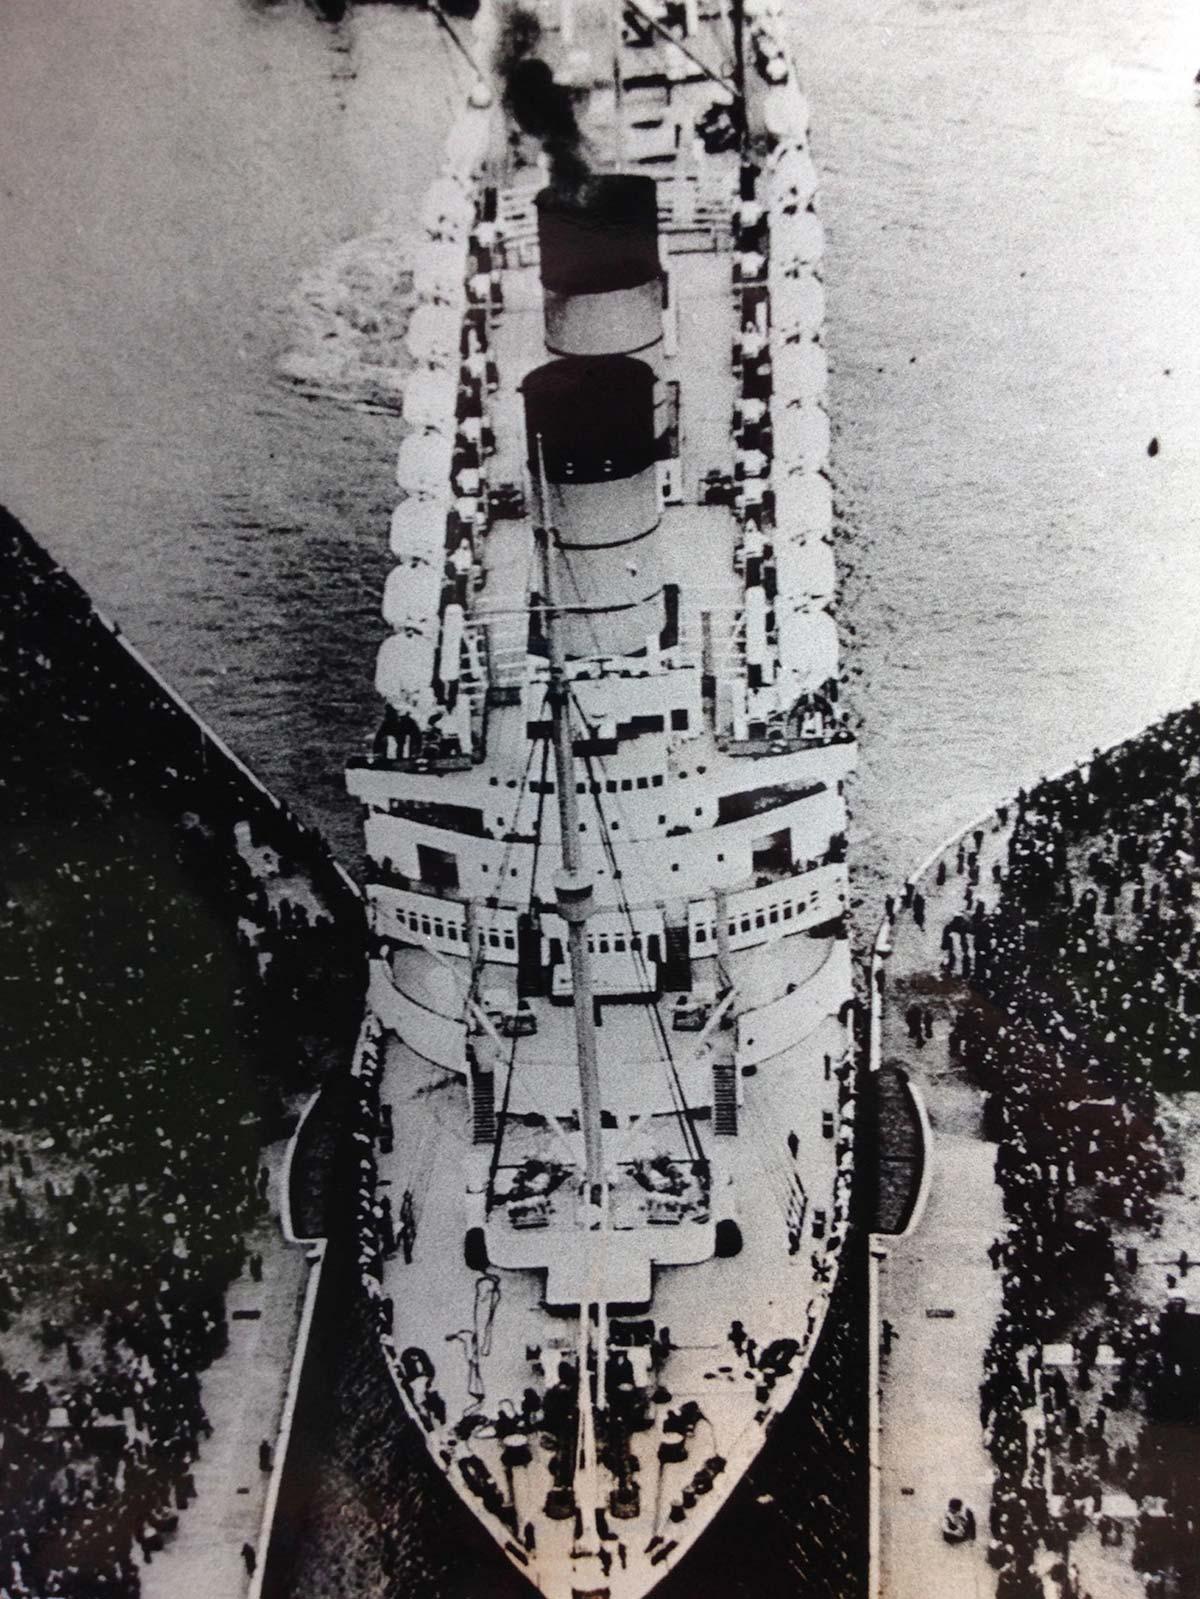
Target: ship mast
{"x":572,"y":885}
{"x":573,"y":891}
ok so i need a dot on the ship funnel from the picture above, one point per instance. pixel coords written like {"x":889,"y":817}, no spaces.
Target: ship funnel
{"x":601,"y":277}
{"x":589,"y":425}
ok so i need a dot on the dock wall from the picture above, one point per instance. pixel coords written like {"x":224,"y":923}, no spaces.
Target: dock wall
{"x":75,"y":666}
{"x":60,"y":645}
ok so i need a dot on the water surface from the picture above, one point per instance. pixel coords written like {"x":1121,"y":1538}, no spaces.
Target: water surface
{"x":204,"y":194}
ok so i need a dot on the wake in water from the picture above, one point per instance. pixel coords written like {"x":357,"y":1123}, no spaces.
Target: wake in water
{"x":347,"y":321}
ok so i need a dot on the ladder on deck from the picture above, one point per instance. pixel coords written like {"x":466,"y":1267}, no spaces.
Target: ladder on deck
{"x":483,"y":1108}
{"x":725,"y":1111}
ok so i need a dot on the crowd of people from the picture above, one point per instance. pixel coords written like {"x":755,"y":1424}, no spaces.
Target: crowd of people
{"x":138,"y":1075}
{"x":1080,"y":955}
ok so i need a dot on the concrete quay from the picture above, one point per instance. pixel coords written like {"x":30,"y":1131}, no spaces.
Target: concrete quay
{"x":219,"y":1549}
{"x":935,"y":1295}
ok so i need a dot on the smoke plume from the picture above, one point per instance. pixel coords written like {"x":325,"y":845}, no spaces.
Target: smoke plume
{"x":540,"y":107}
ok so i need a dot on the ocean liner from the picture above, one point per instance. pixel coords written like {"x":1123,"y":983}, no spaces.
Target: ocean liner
{"x":605,"y":1107}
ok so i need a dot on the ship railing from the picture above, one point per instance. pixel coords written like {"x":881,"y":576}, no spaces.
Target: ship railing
{"x":504,"y":666}
{"x":696,"y":221}
{"x":761,"y":914}
{"x":512,"y":666}
{"x":503,"y":643}
{"x":436,"y":764}
{"x":517,"y":229}
{"x":777,"y":741}
{"x":772,"y":878}
{"x":775,"y":731}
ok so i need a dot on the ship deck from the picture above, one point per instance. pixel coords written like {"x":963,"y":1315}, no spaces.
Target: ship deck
{"x":595,"y":1365}
{"x":696,"y":540}
{"x":697,"y":536}
{"x":636,"y":1074}
{"x":497,"y":1339}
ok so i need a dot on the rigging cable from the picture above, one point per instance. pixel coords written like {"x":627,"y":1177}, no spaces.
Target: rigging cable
{"x":480,"y":960}
{"x":691,"y":1137}
{"x":443,"y":22}
{"x":502,"y":1118}
{"x":672,"y":39}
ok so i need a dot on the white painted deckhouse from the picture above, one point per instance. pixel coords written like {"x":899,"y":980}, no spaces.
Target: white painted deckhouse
{"x":605,"y":1123}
